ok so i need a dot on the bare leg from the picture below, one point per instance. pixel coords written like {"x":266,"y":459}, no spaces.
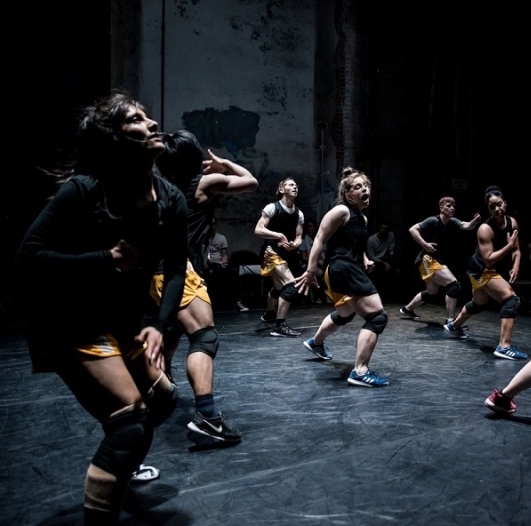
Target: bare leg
{"x":363,"y":306}
{"x":327,"y":328}
{"x":365,"y":346}
{"x":451,"y":307}
{"x":506,"y":331}
{"x":520,"y":382}
{"x":282,"y":276}
{"x":417,"y":301}
{"x":199,"y":365}
{"x":480,"y":297}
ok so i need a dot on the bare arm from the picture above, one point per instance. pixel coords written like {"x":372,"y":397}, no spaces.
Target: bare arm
{"x":486,"y":247}
{"x":296,"y":243}
{"x":414,"y":231}
{"x":222,"y":176}
{"x":261,"y":230}
{"x":470,"y":225}
{"x":224,"y":257}
{"x":336,"y":217}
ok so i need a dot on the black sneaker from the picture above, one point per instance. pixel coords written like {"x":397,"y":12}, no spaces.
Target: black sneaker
{"x":269,"y":315}
{"x":285,"y":331}
{"x":216,"y":428}
{"x":411,"y":314}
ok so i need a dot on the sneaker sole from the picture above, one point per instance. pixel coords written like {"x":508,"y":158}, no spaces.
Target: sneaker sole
{"x":192,"y":427}
{"x":351,"y":381}
{"x":308,"y":346}
{"x":277,"y":335}
{"x":514,"y":358}
{"x":498,"y":409}
{"x":408,"y":317}
{"x":459,"y":336}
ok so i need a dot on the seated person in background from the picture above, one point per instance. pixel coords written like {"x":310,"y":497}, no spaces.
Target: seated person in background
{"x":223,"y":284}
{"x":310,"y":229}
{"x":381,"y":250}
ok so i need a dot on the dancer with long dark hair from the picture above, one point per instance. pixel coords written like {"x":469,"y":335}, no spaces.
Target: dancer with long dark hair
{"x":89,"y":258}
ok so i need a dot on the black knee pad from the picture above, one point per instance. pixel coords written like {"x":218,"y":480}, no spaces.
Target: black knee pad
{"x":339,"y":320}
{"x":204,"y":340}
{"x":428,"y":298}
{"x":510,"y":307}
{"x":274,"y":293}
{"x":474,"y":308}
{"x":289,"y":292}
{"x":127,"y":440}
{"x":376,"y":322}
{"x":454,"y":289}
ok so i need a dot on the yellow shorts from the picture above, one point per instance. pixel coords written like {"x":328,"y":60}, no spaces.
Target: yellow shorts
{"x":485,"y":277}
{"x":338,"y":298}
{"x":194,"y":287}
{"x":428,"y":266}
{"x":270,"y":262}
{"x":107,"y":345}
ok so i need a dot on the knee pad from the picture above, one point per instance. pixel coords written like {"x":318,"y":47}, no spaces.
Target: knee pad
{"x":339,"y":320}
{"x":510,"y":307}
{"x":274,"y":293}
{"x":474,"y":308}
{"x":127,"y":440}
{"x":288,"y":292}
{"x":376,"y":322}
{"x":454,"y":289}
{"x":204,"y":340}
{"x":161,"y":400}
{"x":428,"y":298}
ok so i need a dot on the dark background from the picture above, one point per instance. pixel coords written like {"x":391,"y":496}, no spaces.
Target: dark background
{"x":465,"y":64}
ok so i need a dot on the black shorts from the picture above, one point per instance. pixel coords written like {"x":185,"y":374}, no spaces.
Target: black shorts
{"x":349,"y":278}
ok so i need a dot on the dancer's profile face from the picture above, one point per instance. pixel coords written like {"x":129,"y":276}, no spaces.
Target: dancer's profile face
{"x":138,"y":127}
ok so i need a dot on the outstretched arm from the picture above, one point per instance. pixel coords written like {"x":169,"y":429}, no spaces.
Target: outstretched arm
{"x":470,"y":225}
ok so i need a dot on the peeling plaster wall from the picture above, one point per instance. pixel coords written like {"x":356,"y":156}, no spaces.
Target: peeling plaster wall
{"x":240,"y":74}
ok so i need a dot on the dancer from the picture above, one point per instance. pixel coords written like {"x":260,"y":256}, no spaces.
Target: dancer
{"x":502,"y":401}
{"x":89,"y":258}
{"x":492,"y":269}
{"x":280,"y":226}
{"x":182,"y":163}
{"x":344,"y":230}
{"x":435,"y":235}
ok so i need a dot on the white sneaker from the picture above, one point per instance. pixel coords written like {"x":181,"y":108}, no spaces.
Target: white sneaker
{"x":241,"y":307}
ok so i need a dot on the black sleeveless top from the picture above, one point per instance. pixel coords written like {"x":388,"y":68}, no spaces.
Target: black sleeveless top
{"x":476,"y":265}
{"x":199,"y":223}
{"x":286,"y":223}
{"x":344,"y":253}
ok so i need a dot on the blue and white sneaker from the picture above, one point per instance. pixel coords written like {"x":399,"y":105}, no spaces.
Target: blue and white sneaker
{"x":369,"y":379}
{"x":458,"y":332}
{"x":510,"y":353}
{"x":321,"y":351}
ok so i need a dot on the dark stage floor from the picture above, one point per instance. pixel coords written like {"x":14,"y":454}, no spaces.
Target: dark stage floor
{"x":423,"y":451}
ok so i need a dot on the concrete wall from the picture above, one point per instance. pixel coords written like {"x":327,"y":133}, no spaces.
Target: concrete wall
{"x":240,"y":76}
